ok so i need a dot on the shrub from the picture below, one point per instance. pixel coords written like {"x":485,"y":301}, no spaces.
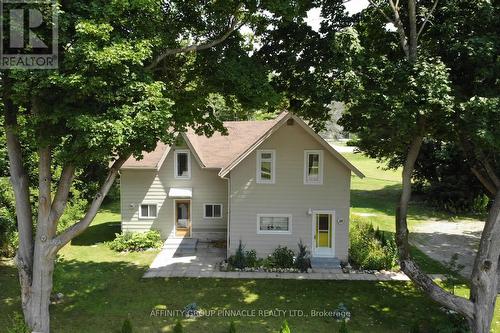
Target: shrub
{"x":282,"y":257}
{"x":126,"y":327}
{"x":178,"y":327}
{"x":370,"y":249}
{"x":238,"y":260}
{"x":139,"y":241}
{"x":343,"y":327}
{"x":74,"y":211}
{"x":18,"y":325}
{"x":232,"y":327}
{"x":303,"y":262}
{"x":284,"y":327}
{"x":251,"y":258}
{"x":8,"y":224}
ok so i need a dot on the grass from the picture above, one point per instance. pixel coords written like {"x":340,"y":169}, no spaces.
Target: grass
{"x":102,"y":288}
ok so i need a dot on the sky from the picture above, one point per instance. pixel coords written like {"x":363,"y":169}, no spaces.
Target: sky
{"x":352,"y":6}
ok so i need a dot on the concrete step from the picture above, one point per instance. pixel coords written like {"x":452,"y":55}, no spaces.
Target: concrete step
{"x":181,"y":244}
{"x":325,"y":263}
{"x":327,"y":270}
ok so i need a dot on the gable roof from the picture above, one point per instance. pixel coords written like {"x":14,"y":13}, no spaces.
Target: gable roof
{"x":217,"y":151}
{"x":150,"y":161}
{"x":282,"y":120}
{"x":225,"y":152}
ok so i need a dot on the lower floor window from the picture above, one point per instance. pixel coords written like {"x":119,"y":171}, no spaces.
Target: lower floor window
{"x":148,"y":211}
{"x":272,"y":223}
{"x":213,"y":211}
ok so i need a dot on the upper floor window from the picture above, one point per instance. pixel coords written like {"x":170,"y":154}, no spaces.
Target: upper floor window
{"x":266,"y":166}
{"x":182,"y":164}
{"x":313,"y":167}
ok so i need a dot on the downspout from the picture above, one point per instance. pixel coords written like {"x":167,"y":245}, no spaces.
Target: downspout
{"x":228,"y":212}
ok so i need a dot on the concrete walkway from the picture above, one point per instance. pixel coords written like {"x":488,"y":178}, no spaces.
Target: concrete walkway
{"x":204,"y":263}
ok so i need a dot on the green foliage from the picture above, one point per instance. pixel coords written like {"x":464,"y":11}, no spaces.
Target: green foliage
{"x":127,"y":326}
{"x":284,"y":327}
{"x":282,"y":257}
{"x":178,"y":327}
{"x":370,"y":249}
{"x":303,"y":261}
{"x":8,"y":226}
{"x":343,"y":327}
{"x":232,"y":327}
{"x":415,"y":327}
{"x":238,"y":260}
{"x":18,"y":325}
{"x":442,"y":174}
{"x":75,"y":210}
{"x":137,"y":241}
{"x":251,"y":258}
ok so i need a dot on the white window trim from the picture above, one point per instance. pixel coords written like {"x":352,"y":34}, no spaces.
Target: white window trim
{"x":306,"y":167}
{"x":273,"y":162}
{"x":147,"y":217}
{"x":273,"y":232}
{"x":182,"y":151}
{"x":213,"y":217}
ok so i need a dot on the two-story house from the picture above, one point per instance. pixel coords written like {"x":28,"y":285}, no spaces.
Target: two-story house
{"x":266,"y":183}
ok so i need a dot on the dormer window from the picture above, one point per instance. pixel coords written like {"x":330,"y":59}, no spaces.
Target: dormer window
{"x":182,"y":164}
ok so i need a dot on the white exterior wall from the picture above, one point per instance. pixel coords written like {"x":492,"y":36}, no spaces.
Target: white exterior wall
{"x":288,"y":195}
{"x":151,"y":186}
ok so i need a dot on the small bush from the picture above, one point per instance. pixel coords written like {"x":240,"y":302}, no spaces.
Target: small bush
{"x":232,"y":327}
{"x":18,"y":325}
{"x":372,"y":249}
{"x":303,"y":262}
{"x":127,"y":326}
{"x":238,"y":260}
{"x":178,"y":327}
{"x":251,"y":258}
{"x":284,"y":327}
{"x":343,"y":327}
{"x":282,"y":257}
{"x":139,"y":241}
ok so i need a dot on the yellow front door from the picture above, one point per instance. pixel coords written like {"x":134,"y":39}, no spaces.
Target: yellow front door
{"x":323,"y":230}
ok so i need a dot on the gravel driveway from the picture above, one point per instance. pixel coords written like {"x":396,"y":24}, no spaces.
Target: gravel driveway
{"x":441,"y":239}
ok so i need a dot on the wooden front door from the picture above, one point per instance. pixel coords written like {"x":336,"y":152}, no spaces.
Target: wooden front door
{"x":182,"y":218}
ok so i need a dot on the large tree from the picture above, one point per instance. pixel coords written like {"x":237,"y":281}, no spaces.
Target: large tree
{"x":403,"y":92}
{"x":131,"y":73}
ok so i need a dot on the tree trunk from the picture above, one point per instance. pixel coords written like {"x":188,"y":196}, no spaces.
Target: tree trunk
{"x":484,"y":283}
{"x":36,"y":313}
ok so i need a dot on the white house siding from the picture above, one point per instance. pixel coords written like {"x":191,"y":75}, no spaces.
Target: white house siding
{"x":151,"y":186}
{"x":288,"y":195}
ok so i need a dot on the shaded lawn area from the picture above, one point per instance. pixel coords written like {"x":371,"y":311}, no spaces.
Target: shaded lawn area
{"x":100,"y":295}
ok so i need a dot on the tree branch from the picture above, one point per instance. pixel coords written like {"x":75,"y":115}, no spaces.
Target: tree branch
{"x":77,"y":228}
{"x":488,"y":185}
{"x":20,"y":184}
{"x":438,"y":294}
{"x":61,"y":196}
{"x":427,"y":18}
{"x":412,"y":21}
{"x":44,"y":192}
{"x":197,"y":47}
{"x":397,"y":23}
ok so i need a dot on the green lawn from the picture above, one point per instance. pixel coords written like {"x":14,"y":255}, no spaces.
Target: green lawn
{"x":102,"y":287}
